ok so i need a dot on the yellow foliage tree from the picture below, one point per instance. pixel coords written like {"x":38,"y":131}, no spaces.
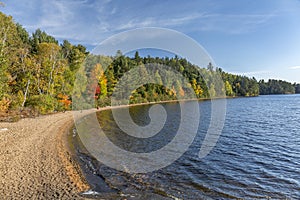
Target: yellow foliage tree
{"x":197,"y":88}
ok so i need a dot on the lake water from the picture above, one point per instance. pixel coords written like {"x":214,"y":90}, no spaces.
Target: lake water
{"x":256,"y":156}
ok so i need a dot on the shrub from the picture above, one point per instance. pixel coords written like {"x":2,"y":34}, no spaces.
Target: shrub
{"x":64,"y":102}
{"x":4,"y":104}
{"x":43,"y":103}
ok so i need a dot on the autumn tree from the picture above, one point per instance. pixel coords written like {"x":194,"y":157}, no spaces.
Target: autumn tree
{"x":197,"y":88}
{"x":228,"y":89}
{"x":9,"y":43}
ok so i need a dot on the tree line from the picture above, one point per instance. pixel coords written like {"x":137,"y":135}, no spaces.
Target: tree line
{"x":278,"y":87}
{"x":38,"y":72}
{"x":201,"y":80}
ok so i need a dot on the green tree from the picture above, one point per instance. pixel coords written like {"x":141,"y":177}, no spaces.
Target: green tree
{"x":276,"y":87}
{"x":157,"y":78}
{"x":228,"y":89}
{"x":212,"y":91}
{"x":48,"y":56}
{"x":23,"y":34}
{"x":24,"y":77}
{"x":39,"y":37}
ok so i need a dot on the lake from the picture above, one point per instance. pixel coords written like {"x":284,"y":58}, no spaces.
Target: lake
{"x":256,"y":156}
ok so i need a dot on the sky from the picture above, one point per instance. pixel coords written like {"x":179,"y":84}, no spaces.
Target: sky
{"x":259,"y":38}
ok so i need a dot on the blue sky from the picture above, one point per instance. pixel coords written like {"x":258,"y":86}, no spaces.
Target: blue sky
{"x":258,"y":38}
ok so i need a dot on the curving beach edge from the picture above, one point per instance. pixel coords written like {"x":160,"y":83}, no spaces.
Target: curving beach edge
{"x":36,"y":160}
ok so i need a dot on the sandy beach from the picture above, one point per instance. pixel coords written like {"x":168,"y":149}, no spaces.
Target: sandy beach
{"x":35,"y":161}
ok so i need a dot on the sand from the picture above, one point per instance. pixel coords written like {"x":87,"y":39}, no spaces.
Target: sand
{"x":35,"y":160}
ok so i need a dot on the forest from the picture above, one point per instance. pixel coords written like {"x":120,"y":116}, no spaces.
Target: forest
{"x":39,"y":73}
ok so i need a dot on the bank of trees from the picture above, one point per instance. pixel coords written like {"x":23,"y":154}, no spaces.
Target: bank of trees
{"x":35,"y":71}
{"x":38,"y":72}
{"x":201,"y":80}
{"x":297,"y":88}
{"x":277,"y":87}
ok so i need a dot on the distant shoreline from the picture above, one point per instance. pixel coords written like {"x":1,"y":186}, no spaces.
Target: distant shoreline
{"x":167,"y":101}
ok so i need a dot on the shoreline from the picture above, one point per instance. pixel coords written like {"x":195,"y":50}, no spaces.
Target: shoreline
{"x":44,"y":152}
{"x":79,"y":151}
{"x":98,"y":187}
{"x":69,"y":159}
{"x":160,"y":102}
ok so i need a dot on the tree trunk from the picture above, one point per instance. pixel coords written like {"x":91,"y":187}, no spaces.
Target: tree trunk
{"x":25,"y":95}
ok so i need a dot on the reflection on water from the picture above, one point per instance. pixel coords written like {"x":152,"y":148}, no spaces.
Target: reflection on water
{"x":140,"y":117}
{"x":257,"y":155}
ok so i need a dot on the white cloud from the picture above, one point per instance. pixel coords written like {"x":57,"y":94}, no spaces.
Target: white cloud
{"x":253,"y":73}
{"x":233,"y":24}
{"x":156,"y":22}
{"x":278,"y":74}
{"x":295,"y":67}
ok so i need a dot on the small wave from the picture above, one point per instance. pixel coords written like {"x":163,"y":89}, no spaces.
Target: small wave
{"x":90,"y":192}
